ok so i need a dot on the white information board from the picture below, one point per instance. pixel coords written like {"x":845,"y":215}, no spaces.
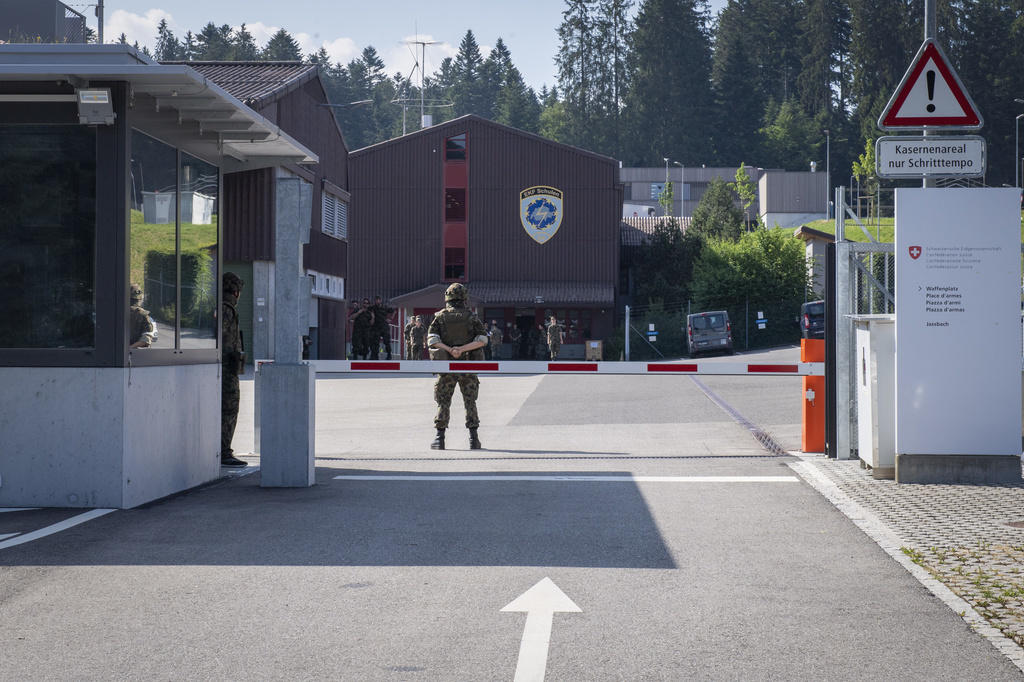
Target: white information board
{"x":958,"y":321}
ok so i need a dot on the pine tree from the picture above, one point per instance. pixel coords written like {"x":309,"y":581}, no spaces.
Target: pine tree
{"x":611,"y":79}
{"x":670,"y":91}
{"x":213,"y":44}
{"x":244,"y":47}
{"x":738,"y":105}
{"x":517,"y":104}
{"x":469,"y":92}
{"x":826,"y":36}
{"x":189,"y":47}
{"x":989,"y":66}
{"x":716,"y":215}
{"x":789,"y":136}
{"x":167,"y":47}
{"x":282,"y":48}
{"x":775,"y":44}
{"x":881,"y":48}
{"x":577,"y":63}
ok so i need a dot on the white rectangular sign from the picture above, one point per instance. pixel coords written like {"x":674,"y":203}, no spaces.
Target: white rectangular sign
{"x":958,"y":321}
{"x":961,"y":156}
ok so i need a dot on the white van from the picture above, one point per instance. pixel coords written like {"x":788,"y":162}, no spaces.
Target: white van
{"x":708,"y":332}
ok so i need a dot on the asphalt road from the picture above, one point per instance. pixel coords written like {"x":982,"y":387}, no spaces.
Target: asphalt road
{"x":690,"y":552}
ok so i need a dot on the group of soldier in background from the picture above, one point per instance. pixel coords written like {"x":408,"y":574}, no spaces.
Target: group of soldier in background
{"x":370,"y":329}
{"x":415,"y":338}
{"x":540,"y":343}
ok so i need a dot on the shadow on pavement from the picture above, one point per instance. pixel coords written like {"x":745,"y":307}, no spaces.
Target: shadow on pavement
{"x":366,"y":523}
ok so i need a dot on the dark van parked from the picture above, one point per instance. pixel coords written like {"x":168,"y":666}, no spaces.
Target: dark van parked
{"x":812,"y":320}
{"x":708,"y":332}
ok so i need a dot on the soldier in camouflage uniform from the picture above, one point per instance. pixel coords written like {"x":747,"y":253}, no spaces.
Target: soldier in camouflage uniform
{"x":556,"y":334}
{"x":362,"y":326}
{"x":456,"y":333}
{"x":417,"y":339}
{"x":408,"y":338}
{"x":497,"y":336}
{"x":381,"y":332}
{"x":233,"y":359}
{"x":141,"y":332}
{"x":533,"y":345}
{"x":515,"y":337}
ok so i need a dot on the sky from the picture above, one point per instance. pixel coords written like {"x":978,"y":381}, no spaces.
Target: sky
{"x":345,"y":28}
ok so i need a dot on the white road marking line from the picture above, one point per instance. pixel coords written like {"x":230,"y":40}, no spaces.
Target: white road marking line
{"x":427,"y":478}
{"x":55,"y":528}
{"x":8,"y":535}
{"x":17,"y":509}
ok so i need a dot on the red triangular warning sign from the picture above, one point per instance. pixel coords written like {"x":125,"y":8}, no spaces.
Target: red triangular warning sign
{"x":930,"y":95}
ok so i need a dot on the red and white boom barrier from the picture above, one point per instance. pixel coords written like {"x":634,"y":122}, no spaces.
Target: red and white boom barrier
{"x":722,"y":368}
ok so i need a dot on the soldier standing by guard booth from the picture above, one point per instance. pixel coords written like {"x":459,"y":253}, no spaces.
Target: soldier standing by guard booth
{"x":233,"y":364}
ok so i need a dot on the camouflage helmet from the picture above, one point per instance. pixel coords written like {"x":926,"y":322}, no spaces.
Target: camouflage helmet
{"x":456,"y":292}
{"x":232,"y":282}
{"x":135,"y":291}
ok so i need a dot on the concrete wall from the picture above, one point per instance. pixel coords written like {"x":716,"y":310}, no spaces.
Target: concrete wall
{"x":111,"y":437}
{"x":815,"y":252}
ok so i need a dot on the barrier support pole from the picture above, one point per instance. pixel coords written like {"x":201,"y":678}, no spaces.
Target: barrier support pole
{"x":813,"y":431}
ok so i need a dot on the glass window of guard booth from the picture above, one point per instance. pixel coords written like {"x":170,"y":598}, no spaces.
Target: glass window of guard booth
{"x":173,"y":246}
{"x":48,"y":237}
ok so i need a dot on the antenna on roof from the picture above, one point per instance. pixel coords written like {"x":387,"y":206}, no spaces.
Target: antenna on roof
{"x":425,"y":121}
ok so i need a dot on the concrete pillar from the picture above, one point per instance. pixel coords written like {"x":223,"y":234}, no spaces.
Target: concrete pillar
{"x":286,"y":389}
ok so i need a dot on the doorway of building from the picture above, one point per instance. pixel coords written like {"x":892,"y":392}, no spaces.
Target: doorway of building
{"x":526,"y":321}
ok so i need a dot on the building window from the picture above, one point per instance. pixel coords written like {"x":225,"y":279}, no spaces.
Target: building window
{"x":48,"y":237}
{"x":173,"y":243}
{"x":455,"y":148}
{"x":335,"y":216}
{"x":454,"y":264}
{"x":455,"y":205}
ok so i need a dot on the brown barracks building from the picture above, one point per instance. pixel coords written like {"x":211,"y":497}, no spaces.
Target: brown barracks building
{"x":531,"y":227}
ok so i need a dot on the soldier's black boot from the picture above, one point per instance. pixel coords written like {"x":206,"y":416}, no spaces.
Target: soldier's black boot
{"x":474,"y":440}
{"x":438,"y":443}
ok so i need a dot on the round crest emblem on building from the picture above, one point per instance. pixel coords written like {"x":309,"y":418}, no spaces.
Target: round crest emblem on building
{"x":540,"y":210}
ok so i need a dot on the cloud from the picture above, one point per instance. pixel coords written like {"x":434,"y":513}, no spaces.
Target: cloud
{"x":342,"y":50}
{"x":400,"y":57}
{"x":141,"y":29}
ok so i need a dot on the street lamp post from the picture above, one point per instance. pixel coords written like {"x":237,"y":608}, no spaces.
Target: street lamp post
{"x":669,"y":209}
{"x":682,"y":189}
{"x":828,"y":175}
{"x":1016,"y":153}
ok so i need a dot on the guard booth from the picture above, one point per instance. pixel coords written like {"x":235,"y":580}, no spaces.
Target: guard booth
{"x":111,"y":170}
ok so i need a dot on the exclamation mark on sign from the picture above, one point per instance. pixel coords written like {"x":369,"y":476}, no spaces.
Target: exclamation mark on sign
{"x":930,"y":75}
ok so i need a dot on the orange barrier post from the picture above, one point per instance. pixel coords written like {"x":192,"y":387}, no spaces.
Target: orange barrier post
{"x":813,"y":432}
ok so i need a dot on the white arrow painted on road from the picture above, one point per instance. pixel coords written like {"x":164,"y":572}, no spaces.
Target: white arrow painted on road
{"x":540,"y":603}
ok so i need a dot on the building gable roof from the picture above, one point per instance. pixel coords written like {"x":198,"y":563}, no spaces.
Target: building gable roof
{"x":638,"y":230}
{"x":256,"y":83}
{"x":462,"y":121}
{"x":809,"y":234}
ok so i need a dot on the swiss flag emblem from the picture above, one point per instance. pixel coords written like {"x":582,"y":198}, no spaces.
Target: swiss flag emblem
{"x":915,"y":252}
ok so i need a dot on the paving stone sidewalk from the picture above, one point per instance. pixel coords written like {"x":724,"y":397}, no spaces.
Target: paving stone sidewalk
{"x":968,"y":537}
